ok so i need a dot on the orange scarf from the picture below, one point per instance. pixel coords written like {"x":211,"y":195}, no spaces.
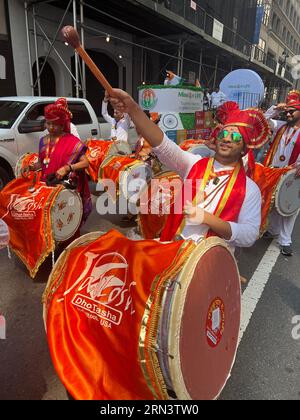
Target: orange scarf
{"x":28,"y":216}
{"x":102,"y":307}
{"x":229,"y":206}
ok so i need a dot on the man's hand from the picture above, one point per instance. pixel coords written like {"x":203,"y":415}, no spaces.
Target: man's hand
{"x":121,"y":101}
{"x":297,"y":167}
{"x":194,"y":215}
{"x":281,"y":107}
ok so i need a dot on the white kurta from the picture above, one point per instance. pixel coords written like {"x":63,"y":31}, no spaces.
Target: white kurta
{"x":119,"y":129}
{"x":246,"y":231}
{"x":283,"y":149}
{"x":282,"y":226}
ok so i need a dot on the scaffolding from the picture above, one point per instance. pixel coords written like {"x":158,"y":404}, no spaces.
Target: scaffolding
{"x":35,"y":28}
{"x":206,"y":71}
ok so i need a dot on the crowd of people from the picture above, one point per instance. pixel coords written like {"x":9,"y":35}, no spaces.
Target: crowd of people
{"x":239,"y":132}
{"x":225,"y":200}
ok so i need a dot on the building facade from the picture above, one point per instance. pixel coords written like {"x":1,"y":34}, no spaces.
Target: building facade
{"x":136,"y":41}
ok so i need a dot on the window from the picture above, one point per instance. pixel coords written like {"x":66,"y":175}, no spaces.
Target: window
{"x":80,"y":113}
{"x":9,"y":112}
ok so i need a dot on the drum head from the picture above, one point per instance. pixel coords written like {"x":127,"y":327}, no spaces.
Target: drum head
{"x":134,"y":180}
{"x":202,"y":150}
{"x":204,"y":322}
{"x":120,"y":148}
{"x":287,"y":199}
{"x":66,"y":215}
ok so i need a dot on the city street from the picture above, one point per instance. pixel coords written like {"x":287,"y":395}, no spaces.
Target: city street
{"x":268,"y":360}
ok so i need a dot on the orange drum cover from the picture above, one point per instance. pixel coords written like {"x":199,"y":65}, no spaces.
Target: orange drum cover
{"x":96,"y":153}
{"x":101,"y":305}
{"x":186,"y":145}
{"x":155,"y":203}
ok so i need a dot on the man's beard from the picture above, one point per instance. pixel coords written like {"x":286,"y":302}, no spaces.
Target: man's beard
{"x":293,"y":122}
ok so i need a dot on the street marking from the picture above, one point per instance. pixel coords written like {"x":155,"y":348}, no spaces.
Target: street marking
{"x":257,"y":284}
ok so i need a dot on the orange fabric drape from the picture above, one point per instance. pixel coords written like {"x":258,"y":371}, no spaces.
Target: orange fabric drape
{"x":102,"y":310}
{"x":115,"y":165}
{"x":267,"y":180}
{"x":156,"y":202}
{"x":28,"y":216}
{"x":96,"y":153}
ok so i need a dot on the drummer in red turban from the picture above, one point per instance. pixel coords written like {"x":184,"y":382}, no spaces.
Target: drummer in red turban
{"x":285,"y":152}
{"x":61,"y":153}
{"x":226,"y":202}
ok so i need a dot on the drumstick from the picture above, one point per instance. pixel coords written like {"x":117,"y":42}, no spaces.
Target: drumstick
{"x":71,"y":37}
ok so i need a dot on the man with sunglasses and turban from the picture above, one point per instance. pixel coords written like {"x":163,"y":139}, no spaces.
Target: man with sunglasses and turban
{"x":231,"y":202}
{"x":284,"y":152}
{"x":61,"y":153}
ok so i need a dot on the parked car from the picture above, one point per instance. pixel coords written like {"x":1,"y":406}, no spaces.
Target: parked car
{"x":22,"y":125}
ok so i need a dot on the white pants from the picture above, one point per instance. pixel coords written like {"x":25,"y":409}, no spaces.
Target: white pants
{"x":282,"y":226}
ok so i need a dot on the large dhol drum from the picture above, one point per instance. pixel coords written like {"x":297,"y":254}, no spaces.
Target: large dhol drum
{"x":66,"y":215}
{"x":25,"y":161}
{"x":287,"y":197}
{"x":197,"y":147}
{"x":99,"y":150}
{"x":130,"y":175}
{"x":39,"y":218}
{"x":148,"y":321}
{"x":155,"y":203}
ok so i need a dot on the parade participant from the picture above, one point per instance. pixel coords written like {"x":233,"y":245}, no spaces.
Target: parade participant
{"x":61,"y":153}
{"x":218,"y":98}
{"x":74,"y":131}
{"x":120,"y":124}
{"x":284,"y":152}
{"x":232,"y":202}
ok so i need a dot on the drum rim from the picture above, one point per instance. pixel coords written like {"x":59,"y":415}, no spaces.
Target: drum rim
{"x":280,"y":184}
{"x":75,"y":193}
{"x":83,"y":240}
{"x":19,"y":161}
{"x":185,"y":278}
{"x":202,"y":146}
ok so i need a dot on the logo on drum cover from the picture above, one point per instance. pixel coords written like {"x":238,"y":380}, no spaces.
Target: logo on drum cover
{"x":215,"y":323}
{"x":25,"y":207}
{"x":96,"y":153}
{"x":149,"y":99}
{"x":103,"y":291}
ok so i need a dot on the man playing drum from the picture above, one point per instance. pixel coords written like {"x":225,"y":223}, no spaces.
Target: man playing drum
{"x":231,"y":207}
{"x":284,"y":152}
{"x":120,"y":123}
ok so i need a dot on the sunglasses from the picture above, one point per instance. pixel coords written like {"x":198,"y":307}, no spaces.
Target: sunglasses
{"x":235,"y":137}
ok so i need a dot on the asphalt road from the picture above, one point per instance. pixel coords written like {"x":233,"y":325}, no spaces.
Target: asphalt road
{"x":268,"y":361}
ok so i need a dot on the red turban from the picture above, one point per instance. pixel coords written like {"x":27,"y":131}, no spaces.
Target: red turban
{"x":59,"y":114}
{"x":293,"y":99}
{"x":251,"y":123}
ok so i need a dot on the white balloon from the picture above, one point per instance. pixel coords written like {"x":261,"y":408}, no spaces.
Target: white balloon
{"x":245,"y":87}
